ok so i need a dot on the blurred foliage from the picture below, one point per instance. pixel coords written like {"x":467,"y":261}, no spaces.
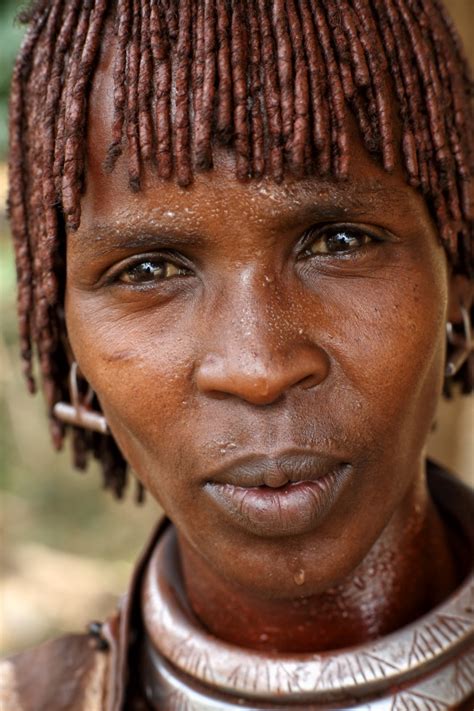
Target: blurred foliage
{"x":10,"y":38}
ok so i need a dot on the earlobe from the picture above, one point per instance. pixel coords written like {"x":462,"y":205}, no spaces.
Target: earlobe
{"x":66,"y":344}
{"x":461,"y":294}
{"x":460,"y":345}
{"x":458,"y":326}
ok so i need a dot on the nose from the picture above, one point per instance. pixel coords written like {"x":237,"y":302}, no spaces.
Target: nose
{"x":254,"y":361}
{"x":260,"y":377}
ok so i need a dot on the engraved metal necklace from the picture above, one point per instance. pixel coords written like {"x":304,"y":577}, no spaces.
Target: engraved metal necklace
{"x":428,"y":664}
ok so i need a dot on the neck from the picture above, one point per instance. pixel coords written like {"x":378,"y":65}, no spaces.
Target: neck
{"x":408,"y":571}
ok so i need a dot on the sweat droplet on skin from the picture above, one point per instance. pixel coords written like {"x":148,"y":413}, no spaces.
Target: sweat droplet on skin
{"x":299,"y":577}
{"x":227,"y":446}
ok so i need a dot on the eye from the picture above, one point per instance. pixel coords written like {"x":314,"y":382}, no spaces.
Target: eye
{"x":150,"y":270}
{"x":336,"y":240}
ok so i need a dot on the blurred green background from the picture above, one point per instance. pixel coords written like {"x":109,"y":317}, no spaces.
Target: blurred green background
{"x":10,"y":38}
{"x":67,"y":548}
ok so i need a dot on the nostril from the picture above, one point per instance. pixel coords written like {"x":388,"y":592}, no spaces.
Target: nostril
{"x":309,"y":382}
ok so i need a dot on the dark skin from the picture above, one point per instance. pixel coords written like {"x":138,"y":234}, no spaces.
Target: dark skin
{"x":232,"y":319}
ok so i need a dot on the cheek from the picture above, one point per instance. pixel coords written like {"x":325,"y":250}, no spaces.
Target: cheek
{"x":140,"y":370}
{"x":396,"y":328}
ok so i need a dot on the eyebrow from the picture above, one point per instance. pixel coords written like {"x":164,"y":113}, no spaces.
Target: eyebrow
{"x":166,"y":230}
{"x":343,"y":203}
{"x":131,"y":234}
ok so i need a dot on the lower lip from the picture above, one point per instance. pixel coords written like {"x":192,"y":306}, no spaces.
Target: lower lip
{"x":292,"y":509}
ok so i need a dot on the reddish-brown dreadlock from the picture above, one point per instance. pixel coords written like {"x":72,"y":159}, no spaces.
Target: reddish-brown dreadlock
{"x":275,"y":80}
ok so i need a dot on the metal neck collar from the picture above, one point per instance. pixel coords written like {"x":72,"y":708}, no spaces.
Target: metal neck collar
{"x":187,"y":668}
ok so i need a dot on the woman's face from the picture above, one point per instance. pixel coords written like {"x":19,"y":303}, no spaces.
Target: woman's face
{"x":254,"y":335}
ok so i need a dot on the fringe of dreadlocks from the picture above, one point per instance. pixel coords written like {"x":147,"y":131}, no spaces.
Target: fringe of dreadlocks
{"x":160,"y":50}
{"x":284,"y":52}
{"x":133,"y":67}
{"x":274,"y":80}
{"x":93,"y":16}
{"x":120,"y":93}
{"x":223,"y":119}
{"x":19,"y":195}
{"x":145,"y":125}
{"x":299,"y":155}
{"x":377,"y":64}
{"x":349,"y":69}
{"x":447,"y":175}
{"x":204,"y":114}
{"x":45,"y":229}
{"x":318,"y":91}
{"x":339,"y":128}
{"x":256,"y":92}
{"x":409,"y":147}
{"x":270,"y":93}
{"x":239,"y":81}
{"x":182,"y":137}
{"x":197,"y":66}
{"x":51,"y":196}
{"x":432,"y":37}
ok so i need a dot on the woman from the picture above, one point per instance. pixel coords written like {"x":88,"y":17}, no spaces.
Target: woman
{"x":243,"y":238}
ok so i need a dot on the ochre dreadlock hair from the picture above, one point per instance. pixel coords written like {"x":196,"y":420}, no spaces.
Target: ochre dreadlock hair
{"x":275,"y":80}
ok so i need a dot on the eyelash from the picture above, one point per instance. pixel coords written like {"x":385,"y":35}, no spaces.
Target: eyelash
{"x":309,"y":239}
{"x":159,"y":261}
{"x":315,"y":234}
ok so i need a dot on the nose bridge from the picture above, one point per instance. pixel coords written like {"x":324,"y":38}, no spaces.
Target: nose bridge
{"x":255,"y":309}
{"x":258,"y":309}
{"x":256,"y":349}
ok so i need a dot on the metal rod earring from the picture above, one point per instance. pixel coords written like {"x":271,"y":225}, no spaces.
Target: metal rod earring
{"x":78,"y":412}
{"x":462,"y":345}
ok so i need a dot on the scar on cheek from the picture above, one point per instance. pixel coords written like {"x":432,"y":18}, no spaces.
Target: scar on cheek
{"x":121,"y":355}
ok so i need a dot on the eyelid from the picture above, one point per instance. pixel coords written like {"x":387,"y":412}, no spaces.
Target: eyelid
{"x":113,"y":273}
{"x":377,"y":234}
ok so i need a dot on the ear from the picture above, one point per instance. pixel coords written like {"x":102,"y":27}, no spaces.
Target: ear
{"x":66,"y":343}
{"x":461,"y":293}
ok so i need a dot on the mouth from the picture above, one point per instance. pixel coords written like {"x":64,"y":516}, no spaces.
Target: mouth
{"x":288,"y":494}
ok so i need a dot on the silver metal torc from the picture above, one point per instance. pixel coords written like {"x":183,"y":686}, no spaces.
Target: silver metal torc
{"x":426,"y":665}
{"x":445,"y":689}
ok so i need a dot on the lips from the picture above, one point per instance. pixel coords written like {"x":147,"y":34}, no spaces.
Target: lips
{"x":275,"y":471}
{"x":286,"y":494}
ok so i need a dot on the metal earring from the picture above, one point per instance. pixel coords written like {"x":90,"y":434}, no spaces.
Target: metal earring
{"x":78,"y":412}
{"x":462,"y":345}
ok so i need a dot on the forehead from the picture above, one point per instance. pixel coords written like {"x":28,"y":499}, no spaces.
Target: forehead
{"x":108,"y":198}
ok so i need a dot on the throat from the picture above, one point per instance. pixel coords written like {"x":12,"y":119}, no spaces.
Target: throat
{"x":407,"y":572}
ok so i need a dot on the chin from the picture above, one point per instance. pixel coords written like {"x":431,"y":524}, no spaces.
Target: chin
{"x":289,"y":567}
